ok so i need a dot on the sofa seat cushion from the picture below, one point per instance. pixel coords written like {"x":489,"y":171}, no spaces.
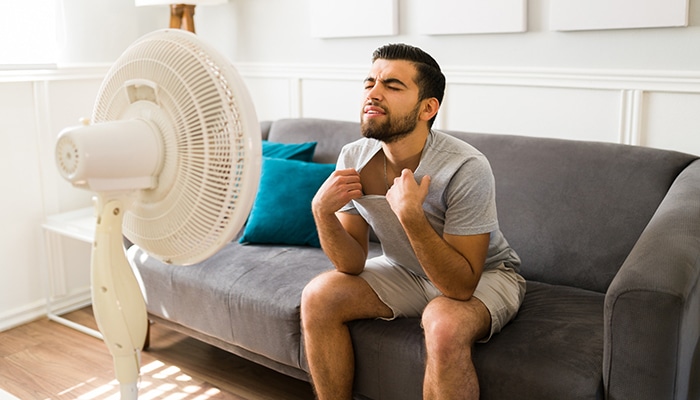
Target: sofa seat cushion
{"x":553,"y":349}
{"x":248,"y":296}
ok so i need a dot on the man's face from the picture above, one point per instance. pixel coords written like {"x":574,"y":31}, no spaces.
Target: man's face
{"x":390,"y":108}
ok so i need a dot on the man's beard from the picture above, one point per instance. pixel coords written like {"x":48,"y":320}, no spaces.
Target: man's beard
{"x":391,"y":130}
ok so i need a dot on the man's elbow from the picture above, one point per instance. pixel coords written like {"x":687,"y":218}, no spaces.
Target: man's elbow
{"x":459,"y":295}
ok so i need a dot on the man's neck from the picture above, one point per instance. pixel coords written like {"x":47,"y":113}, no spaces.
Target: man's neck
{"x":406,"y":152}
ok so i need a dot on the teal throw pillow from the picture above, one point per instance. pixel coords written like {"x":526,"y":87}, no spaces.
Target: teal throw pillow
{"x":289,"y":151}
{"x":281,"y":213}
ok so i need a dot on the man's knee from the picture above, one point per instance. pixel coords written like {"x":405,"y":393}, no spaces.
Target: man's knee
{"x":451,"y":325}
{"x":316,"y":293}
{"x":442,"y":330}
{"x":323,"y":297}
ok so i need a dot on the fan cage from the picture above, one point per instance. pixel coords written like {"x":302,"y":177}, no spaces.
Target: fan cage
{"x":211,"y":145}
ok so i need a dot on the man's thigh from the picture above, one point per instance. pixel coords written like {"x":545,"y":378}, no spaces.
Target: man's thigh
{"x":502,"y":291}
{"x":346,"y":296}
{"x":405,"y":293}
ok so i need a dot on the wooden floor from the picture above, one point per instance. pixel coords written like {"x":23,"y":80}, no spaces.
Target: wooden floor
{"x":46,"y":360}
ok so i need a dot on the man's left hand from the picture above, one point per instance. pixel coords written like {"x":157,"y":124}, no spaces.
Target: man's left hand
{"x":406,"y":196}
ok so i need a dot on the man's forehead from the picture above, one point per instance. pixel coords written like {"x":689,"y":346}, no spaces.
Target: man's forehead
{"x":396,"y":69}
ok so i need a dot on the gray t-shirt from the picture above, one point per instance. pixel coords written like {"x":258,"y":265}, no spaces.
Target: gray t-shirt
{"x":461,"y":200}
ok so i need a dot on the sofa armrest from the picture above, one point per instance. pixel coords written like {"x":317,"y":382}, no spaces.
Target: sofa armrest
{"x":652,"y":307}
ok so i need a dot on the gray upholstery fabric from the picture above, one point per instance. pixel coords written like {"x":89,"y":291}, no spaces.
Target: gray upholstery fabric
{"x":612,"y":258}
{"x":265,"y":129}
{"x":552,"y":350}
{"x":573,"y":210}
{"x":656,"y":295}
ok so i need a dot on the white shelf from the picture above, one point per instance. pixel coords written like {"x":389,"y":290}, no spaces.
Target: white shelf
{"x":80,"y":225}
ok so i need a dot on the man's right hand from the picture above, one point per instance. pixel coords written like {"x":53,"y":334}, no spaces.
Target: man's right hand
{"x":342,"y":186}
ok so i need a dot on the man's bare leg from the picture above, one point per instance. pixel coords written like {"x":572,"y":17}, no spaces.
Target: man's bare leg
{"x":328,"y":303}
{"x":451,"y":329}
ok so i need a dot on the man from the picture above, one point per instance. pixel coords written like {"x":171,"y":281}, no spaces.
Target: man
{"x":430,"y":198}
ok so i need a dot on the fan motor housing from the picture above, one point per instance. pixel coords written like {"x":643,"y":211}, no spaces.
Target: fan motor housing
{"x":111,"y":156}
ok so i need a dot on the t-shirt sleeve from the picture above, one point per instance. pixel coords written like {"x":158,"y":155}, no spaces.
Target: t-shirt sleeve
{"x":471,"y":199}
{"x":344,"y":160}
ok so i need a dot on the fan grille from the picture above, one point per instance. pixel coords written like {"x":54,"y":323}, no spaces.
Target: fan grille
{"x":211,"y":144}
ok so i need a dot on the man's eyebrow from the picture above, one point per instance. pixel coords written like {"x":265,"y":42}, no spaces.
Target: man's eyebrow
{"x":386,"y":81}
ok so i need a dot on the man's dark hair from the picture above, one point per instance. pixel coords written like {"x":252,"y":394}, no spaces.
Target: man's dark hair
{"x":430,"y":79}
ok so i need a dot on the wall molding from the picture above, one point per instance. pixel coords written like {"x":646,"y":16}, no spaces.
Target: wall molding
{"x":611,"y":79}
{"x":667,"y":81}
{"x":618,"y":79}
{"x":631,"y":116}
{"x":68,"y":72}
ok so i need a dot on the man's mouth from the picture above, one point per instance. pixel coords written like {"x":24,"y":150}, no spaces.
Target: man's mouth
{"x":373,"y":110}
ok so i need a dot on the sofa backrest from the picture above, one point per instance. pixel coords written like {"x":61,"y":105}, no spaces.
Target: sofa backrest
{"x":330,"y":135}
{"x":572,"y":210}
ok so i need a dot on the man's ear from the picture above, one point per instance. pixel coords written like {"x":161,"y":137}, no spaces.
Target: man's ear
{"x":430,"y":108}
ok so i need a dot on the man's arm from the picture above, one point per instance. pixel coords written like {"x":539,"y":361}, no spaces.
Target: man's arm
{"x":344,"y":237}
{"x":453,"y":263}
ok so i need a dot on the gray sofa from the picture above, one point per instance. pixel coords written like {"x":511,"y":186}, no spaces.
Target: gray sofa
{"x":609,"y":236}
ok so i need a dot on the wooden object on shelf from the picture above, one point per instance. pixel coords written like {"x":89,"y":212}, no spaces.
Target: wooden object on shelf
{"x":182,"y":16}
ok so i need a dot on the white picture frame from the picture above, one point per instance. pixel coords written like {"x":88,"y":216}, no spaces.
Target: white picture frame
{"x":353,"y":18}
{"x":576,"y":15}
{"x":454,"y":17}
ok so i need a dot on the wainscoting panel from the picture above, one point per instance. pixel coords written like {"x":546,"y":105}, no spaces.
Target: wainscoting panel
{"x":274,"y":98}
{"x":21,"y":200}
{"x":67,"y":100}
{"x":34,"y":107}
{"x":331,"y":99}
{"x":584,"y":114}
{"x":671,"y":121}
{"x":648,"y":108}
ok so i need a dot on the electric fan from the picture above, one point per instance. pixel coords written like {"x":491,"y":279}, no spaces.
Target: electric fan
{"x":173,"y":152}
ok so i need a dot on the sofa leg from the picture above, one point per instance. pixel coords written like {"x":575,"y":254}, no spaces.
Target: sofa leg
{"x":147,"y":339}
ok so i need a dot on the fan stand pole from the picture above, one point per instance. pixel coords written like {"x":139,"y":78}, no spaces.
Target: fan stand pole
{"x":117,"y":300}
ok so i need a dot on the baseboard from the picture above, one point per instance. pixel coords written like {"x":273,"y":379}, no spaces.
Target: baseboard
{"x":22,"y":315}
{"x":39,"y":309}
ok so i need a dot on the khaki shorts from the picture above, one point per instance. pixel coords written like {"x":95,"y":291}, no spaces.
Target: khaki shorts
{"x":501,"y":289}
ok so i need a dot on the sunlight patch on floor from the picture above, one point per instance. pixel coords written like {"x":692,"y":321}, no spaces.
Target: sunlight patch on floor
{"x":158,"y":381}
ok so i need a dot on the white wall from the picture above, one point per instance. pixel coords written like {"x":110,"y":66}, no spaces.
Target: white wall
{"x":276,"y":31}
{"x":633,"y":86}
{"x":639,"y":86}
{"x":98,"y":31}
{"x":33,"y":110}
{"x":34,"y":107}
